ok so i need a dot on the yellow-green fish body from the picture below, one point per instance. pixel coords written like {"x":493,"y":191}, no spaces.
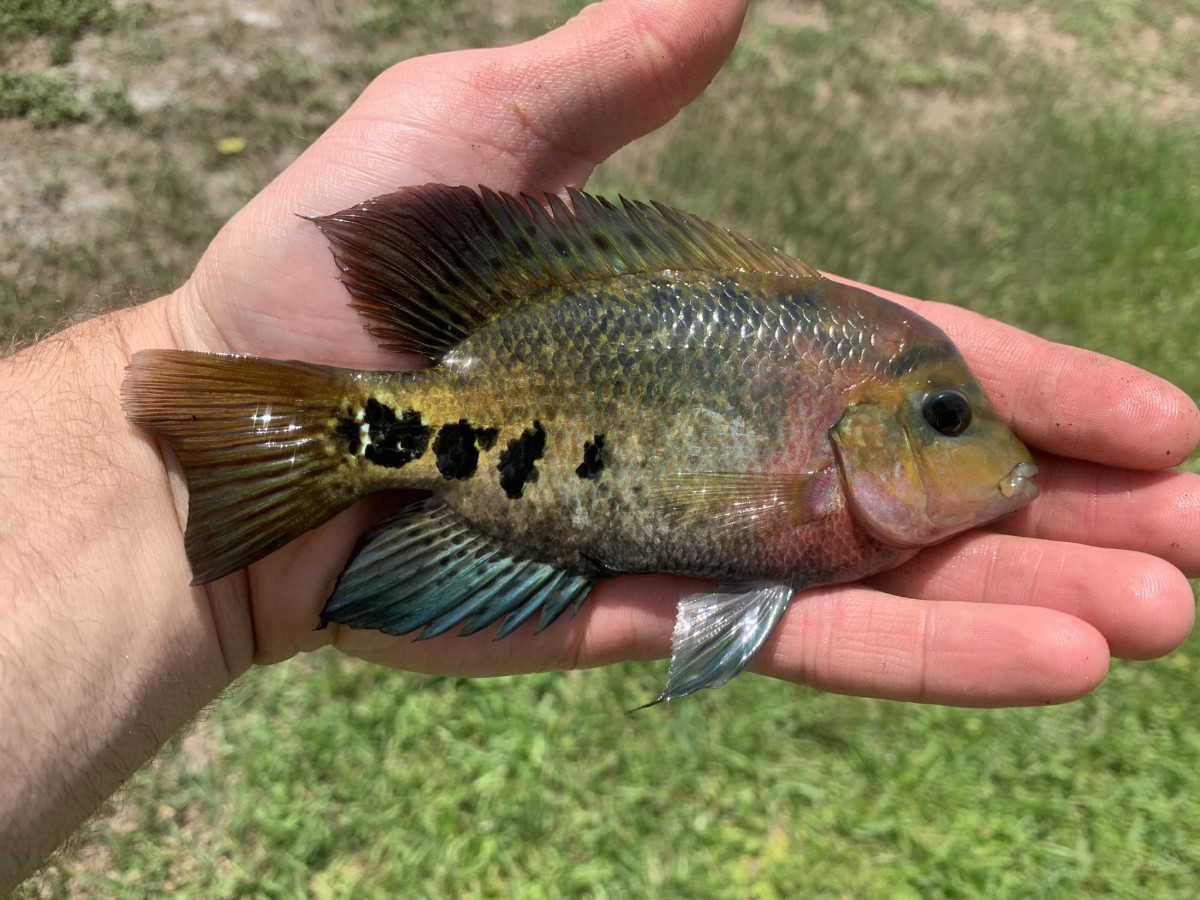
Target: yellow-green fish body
{"x":615,"y":390}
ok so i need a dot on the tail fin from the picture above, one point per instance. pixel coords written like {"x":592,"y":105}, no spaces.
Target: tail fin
{"x":254,"y":437}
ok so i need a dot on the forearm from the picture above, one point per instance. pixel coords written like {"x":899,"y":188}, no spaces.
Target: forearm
{"x":104,"y":649}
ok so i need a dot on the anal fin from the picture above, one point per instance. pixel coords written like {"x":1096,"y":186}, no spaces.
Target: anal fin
{"x":717,"y":633}
{"x":426,"y":568}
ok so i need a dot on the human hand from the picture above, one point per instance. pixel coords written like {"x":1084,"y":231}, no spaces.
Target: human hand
{"x":1026,"y":614}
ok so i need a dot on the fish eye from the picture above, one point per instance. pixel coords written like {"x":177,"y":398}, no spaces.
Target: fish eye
{"x":947,"y":412}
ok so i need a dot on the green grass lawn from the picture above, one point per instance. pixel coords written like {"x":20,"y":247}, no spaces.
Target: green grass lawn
{"x":1038,"y":162}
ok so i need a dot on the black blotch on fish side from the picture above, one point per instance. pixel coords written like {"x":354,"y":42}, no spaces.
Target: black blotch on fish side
{"x":350,"y":430}
{"x":518,"y":464}
{"x":394,"y":441}
{"x":457,"y":446}
{"x":593,"y":458}
{"x":486,"y":437}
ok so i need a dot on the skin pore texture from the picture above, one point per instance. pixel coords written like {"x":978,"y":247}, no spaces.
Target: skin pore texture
{"x":105,"y":650}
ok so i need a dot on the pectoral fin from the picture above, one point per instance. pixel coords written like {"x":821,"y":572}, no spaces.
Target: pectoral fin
{"x":717,"y":634}
{"x":746,"y":501}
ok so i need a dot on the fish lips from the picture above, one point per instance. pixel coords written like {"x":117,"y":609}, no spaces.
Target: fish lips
{"x":1018,"y":484}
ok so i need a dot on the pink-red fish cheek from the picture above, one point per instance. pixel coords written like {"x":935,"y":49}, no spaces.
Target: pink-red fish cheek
{"x":862,"y":642}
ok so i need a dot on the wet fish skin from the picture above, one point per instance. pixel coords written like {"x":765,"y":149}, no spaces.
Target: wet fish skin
{"x":633,"y":380}
{"x":616,"y":390}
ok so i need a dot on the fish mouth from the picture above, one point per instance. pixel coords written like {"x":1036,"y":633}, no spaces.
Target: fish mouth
{"x":1017,"y":484}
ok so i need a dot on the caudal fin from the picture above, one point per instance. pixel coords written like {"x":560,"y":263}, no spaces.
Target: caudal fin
{"x":255,"y":438}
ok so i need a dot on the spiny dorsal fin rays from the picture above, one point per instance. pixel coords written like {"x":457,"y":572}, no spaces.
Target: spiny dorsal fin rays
{"x":430,"y":265}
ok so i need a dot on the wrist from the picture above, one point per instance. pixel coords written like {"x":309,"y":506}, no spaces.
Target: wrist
{"x":107,"y":649}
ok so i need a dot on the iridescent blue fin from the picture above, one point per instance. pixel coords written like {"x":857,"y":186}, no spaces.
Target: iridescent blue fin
{"x":426,"y":568}
{"x":716,"y":635}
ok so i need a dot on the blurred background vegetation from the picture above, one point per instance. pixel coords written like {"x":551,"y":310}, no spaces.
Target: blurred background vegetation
{"x":1037,"y":161}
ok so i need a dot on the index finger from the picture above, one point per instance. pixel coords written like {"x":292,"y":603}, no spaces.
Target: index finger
{"x":1069,"y":401}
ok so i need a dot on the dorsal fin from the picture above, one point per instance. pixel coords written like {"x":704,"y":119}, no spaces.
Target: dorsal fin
{"x":430,"y":265}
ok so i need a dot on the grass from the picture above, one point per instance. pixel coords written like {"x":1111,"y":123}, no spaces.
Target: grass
{"x":166,"y":183}
{"x":329,"y":777}
{"x":59,"y":22}
{"x":905,"y":144}
{"x":45,"y":100}
{"x":53,"y":99}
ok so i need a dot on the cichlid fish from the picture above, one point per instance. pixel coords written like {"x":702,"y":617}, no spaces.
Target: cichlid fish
{"x":615,"y":389}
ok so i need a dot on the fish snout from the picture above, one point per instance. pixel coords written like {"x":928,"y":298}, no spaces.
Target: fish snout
{"x":1018,"y":484}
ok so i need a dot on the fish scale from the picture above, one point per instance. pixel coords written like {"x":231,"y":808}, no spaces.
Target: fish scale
{"x":614,"y":390}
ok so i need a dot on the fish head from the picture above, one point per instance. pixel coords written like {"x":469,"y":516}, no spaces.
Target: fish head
{"x":923,"y":455}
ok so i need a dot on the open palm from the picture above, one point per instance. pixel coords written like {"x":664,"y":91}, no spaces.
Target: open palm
{"x":1027,"y":613}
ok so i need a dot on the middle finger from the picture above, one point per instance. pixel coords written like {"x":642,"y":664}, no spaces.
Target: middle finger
{"x":1142,"y":605}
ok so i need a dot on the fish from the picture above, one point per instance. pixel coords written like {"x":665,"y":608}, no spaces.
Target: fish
{"x":613,"y":388}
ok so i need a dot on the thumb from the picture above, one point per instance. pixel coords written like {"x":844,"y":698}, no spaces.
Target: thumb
{"x":535,"y":116}
{"x":617,"y":71}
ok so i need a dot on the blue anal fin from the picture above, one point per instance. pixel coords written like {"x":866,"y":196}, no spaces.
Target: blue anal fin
{"x":426,"y":568}
{"x":716,"y":634}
